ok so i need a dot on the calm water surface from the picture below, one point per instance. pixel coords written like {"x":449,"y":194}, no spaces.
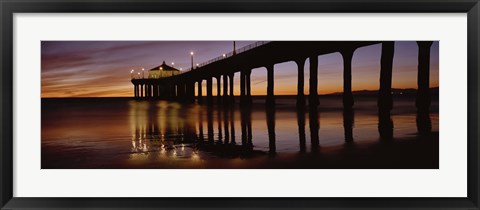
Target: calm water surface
{"x":125,"y":133}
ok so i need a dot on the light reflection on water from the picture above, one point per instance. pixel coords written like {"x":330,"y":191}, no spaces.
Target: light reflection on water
{"x":137,"y":132}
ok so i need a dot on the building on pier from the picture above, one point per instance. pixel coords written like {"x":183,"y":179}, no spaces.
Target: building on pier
{"x":162,"y":71}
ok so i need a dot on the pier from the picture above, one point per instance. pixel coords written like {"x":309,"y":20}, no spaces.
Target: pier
{"x":181,"y":87}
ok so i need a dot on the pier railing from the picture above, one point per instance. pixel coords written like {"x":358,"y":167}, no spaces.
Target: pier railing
{"x":224,"y":56}
{"x":227,"y":55}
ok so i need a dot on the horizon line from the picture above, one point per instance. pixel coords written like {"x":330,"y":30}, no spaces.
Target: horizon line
{"x":327,"y":94}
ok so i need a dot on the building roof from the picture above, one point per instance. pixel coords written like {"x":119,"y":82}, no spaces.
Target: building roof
{"x":164,"y":67}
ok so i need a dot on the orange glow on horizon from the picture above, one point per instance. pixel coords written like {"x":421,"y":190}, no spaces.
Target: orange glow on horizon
{"x":82,"y":75}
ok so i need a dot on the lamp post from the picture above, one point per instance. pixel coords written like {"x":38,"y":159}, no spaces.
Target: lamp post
{"x":234,"y":48}
{"x":191,"y":55}
{"x":143,"y":73}
{"x":131,"y":74}
{"x":138,"y":75}
{"x":173,"y":64}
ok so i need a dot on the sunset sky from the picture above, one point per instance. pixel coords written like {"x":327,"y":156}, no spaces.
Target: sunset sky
{"x":102,"y":68}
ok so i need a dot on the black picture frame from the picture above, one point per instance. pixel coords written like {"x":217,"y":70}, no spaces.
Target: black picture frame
{"x":10,"y":7}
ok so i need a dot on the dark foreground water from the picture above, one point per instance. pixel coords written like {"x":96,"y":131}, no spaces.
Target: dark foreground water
{"x":124,"y":133}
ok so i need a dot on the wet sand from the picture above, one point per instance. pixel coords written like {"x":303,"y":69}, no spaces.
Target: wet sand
{"x":407,"y":153}
{"x":122,"y":134}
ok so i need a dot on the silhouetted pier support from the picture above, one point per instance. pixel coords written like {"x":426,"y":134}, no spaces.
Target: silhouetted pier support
{"x":231,"y":81}
{"x":155,"y":91}
{"x":245,"y":87}
{"x":225,"y":89}
{"x":183,"y":87}
{"x":209,"y":90}
{"x":423,"y":94}
{"x":159,"y":91}
{"x":150,"y":91}
{"x":423,"y":100}
{"x":147,"y":91}
{"x":138,"y":91}
{"x":385,"y":101}
{"x":176,"y":91}
{"x":135,"y":91}
{"x":242,"y":87}
{"x":173,"y":91}
{"x":300,"y":83}
{"x":181,"y":91}
{"x":270,"y":85}
{"x":190,"y":91}
{"x":313,"y":94}
{"x":219,"y":89}
{"x":199,"y":92}
{"x":248,"y":87}
{"x":347,"y":55}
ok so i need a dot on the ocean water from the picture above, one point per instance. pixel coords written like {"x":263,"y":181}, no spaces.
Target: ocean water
{"x":126,"y":133}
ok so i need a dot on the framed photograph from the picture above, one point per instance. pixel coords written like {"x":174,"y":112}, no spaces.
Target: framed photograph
{"x":239,"y":105}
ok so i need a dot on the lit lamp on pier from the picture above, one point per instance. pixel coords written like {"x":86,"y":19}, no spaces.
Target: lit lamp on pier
{"x":173,"y":64}
{"x":224,"y":55}
{"x":131,"y":74}
{"x":138,"y":75}
{"x":191,"y":55}
{"x":143,"y":73}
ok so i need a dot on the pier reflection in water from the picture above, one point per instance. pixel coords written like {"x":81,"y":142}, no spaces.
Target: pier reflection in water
{"x":172,"y":135}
